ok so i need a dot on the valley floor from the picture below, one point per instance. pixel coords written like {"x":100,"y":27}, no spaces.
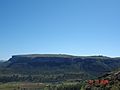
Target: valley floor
{"x":62,"y":86}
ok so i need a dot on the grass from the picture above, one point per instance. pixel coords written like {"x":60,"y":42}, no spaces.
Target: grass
{"x":8,"y":86}
{"x":18,"y":86}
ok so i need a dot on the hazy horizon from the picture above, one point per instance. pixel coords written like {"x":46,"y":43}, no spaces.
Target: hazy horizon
{"x":80,"y":27}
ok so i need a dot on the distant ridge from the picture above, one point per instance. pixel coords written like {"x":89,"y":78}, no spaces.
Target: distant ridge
{"x":44,"y":55}
{"x":60,"y":66}
{"x":60,"y":55}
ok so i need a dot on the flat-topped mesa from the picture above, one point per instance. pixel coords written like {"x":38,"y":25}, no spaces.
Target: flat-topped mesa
{"x":45,"y":55}
{"x":93,"y":65}
{"x":41,"y":57}
{"x":54,"y":57}
{"x":60,"y":55}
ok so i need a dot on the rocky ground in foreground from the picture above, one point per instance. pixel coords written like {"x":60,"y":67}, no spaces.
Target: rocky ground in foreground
{"x":109,"y":81}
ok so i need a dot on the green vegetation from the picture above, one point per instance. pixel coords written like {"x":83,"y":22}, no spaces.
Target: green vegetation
{"x":57,"y":72}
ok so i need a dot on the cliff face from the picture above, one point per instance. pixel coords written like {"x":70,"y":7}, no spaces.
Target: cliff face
{"x":92,"y":64}
{"x":22,"y":59}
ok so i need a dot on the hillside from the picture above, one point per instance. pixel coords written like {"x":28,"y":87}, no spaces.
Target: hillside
{"x":55,"y":67}
{"x":109,"y":81}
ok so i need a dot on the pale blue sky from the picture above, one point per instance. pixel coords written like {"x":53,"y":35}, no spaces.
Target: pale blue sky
{"x":78,"y":27}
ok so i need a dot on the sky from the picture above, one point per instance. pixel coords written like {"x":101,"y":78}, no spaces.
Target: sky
{"x":77,"y":27}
